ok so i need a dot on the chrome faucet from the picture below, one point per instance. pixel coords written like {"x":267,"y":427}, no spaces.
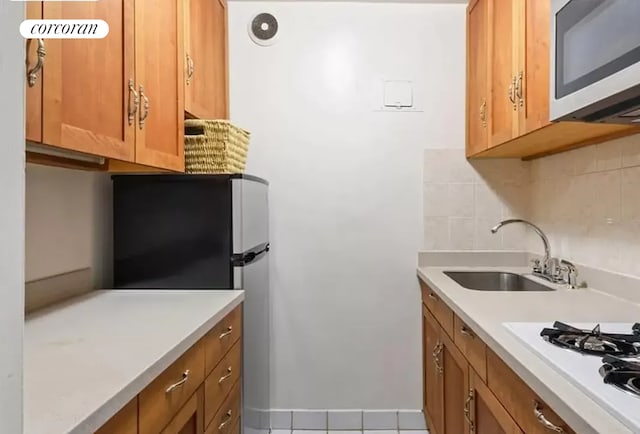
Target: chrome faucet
{"x":549,"y":269}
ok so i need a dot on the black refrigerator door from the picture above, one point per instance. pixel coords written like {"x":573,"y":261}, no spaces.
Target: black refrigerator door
{"x":172,"y":232}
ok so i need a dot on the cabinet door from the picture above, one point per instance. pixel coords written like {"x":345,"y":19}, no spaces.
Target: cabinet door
{"x":477,"y":76}
{"x":533,"y":72}
{"x":487,"y":414}
{"x":206,"y":91}
{"x":86,"y":82}
{"x":190,"y":418}
{"x":433,"y":381}
{"x":456,"y":388}
{"x":36,"y":53}
{"x":503,"y":106}
{"x":159,"y":76}
{"x":124,"y":422}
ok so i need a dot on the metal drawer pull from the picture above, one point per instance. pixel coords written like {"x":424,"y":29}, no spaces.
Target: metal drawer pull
{"x":185,"y":377}
{"x":190,"y":69}
{"x":467,"y":331}
{"x":483,"y":113}
{"x":227,"y":333}
{"x":437,"y":350}
{"x":144,"y":108}
{"x":542,"y":420}
{"x":432,"y":296}
{"x":512,"y":93}
{"x":467,"y":411}
{"x":227,"y":420}
{"x":519,"y":89}
{"x":133,"y":105}
{"x":32,"y":74}
{"x":224,"y":377}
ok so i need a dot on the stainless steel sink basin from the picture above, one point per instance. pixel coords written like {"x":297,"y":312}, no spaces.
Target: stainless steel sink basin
{"x":495,"y":281}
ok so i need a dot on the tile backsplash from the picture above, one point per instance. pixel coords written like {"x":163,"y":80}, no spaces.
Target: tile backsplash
{"x":587,"y":201}
{"x":463,"y":200}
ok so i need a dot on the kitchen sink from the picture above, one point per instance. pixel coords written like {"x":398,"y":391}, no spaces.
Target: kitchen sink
{"x":495,"y":281}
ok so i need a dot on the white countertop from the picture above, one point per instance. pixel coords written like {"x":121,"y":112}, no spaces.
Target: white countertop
{"x":86,"y":358}
{"x":486,"y":311}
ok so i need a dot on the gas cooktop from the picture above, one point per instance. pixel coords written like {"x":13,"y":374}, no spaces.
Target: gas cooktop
{"x":603,"y":360}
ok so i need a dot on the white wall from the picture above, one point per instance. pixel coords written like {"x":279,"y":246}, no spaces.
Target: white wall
{"x":68,"y":223}
{"x":12,"y":215}
{"x":346,"y":186}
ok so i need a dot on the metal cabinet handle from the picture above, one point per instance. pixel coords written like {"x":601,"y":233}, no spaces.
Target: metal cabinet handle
{"x":467,"y":411}
{"x":437,"y":350}
{"x":483,"y":113}
{"x":185,"y":377}
{"x":133,"y":105}
{"x":32,"y":74}
{"x":432,"y":296}
{"x":519,"y":89}
{"x":144,"y":108}
{"x":190,"y":69}
{"x":227,"y":333}
{"x":512,"y":93}
{"x":226,"y":421}
{"x":542,"y":420}
{"x":467,"y":331}
{"x":224,"y":377}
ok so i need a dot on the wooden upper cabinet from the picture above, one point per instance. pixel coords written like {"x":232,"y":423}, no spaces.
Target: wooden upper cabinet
{"x":477,"y":76}
{"x":34,"y":64}
{"x":533,"y":64}
{"x":487,"y":415}
{"x":206,"y":59}
{"x":433,"y":380}
{"x":502,"y":81}
{"x":159,"y":77}
{"x":85,"y":82}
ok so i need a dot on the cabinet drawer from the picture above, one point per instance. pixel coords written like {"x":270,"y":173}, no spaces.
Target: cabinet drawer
{"x":473,"y":348}
{"x":222,"y":337}
{"x":221,"y":380}
{"x":124,"y":422}
{"x":189,"y":417}
{"x":438,"y":308}
{"x":162,"y":399}
{"x":518,"y":399}
{"x":224,"y":420}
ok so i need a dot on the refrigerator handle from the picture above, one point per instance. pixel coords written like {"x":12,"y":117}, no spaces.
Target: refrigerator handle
{"x":242,"y":259}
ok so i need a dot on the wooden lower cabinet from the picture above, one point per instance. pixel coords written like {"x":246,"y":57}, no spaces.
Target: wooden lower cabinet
{"x":485,"y":413}
{"x":190,"y":418}
{"x":124,"y":422}
{"x":525,"y":406}
{"x":179,"y":401}
{"x":468,"y":389}
{"x":456,"y":385}
{"x":433,"y":385}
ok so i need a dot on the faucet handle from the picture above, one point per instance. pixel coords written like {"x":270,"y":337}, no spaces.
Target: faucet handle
{"x":572,"y":273}
{"x":536,"y":265}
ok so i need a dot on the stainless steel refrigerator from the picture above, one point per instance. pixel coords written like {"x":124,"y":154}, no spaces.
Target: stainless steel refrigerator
{"x":202,"y":232}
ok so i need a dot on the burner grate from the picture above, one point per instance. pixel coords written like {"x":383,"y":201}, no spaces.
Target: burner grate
{"x":623,"y":374}
{"x":593,"y":342}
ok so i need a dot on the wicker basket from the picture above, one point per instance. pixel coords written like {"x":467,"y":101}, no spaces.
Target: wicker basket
{"x":214,"y":146}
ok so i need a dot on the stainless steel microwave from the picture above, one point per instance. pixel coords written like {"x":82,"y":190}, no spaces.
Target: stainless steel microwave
{"x":595,"y":61}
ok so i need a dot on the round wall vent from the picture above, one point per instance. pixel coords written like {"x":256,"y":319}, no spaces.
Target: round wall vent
{"x":263,"y":29}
